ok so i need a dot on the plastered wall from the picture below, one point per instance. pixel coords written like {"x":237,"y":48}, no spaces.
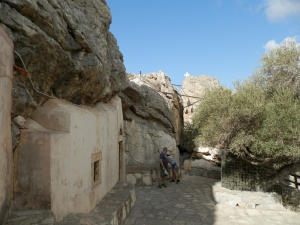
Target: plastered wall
{"x":57,"y":153}
{"x":6,"y":154}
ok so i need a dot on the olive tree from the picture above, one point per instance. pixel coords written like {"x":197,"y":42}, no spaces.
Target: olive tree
{"x":260,"y":120}
{"x":280,"y":67}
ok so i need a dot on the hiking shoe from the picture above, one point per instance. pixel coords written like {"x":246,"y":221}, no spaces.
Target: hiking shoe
{"x":164,"y":185}
{"x":172,"y":180}
{"x":177,"y":181}
{"x":159,"y":186}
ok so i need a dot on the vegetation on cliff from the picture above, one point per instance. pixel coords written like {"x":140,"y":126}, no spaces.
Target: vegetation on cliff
{"x":260,"y":120}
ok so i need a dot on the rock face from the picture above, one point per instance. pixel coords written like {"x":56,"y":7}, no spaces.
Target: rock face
{"x":67,"y":48}
{"x":195,"y":86}
{"x":204,"y":161}
{"x":152,"y":118}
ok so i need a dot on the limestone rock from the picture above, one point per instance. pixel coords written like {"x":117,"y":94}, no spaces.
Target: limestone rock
{"x":67,"y":48}
{"x":144,"y":141}
{"x":195,"y":86}
{"x":216,"y":152}
{"x":131,"y":178}
{"x":147,"y":179}
{"x":208,"y":153}
{"x":201,"y":163}
{"x":152,"y":118}
{"x":187,"y":165}
{"x":19,"y":121}
{"x":203,"y":150}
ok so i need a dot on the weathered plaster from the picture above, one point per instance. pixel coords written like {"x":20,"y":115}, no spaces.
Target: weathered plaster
{"x":63,"y":156}
{"x":6,"y":154}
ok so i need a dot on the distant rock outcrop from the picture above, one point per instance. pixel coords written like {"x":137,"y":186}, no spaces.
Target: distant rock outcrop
{"x":152,"y":118}
{"x":68,"y":50}
{"x":195,"y":86}
{"x":193,"y":90}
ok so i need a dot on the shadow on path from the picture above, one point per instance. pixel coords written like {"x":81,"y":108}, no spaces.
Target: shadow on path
{"x":190,"y":202}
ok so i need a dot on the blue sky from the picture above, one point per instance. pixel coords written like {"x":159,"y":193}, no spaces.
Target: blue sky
{"x":219,"y":38}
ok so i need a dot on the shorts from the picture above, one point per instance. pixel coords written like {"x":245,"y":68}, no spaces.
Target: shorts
{"x":174,"y":166}
{"x":162,"y":173}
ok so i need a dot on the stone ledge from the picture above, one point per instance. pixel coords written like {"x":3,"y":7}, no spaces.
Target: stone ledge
{"x":145,"y":175}
{"x":246,"y":199}
{"x":142,"y":175}
{"x":113,"y":209}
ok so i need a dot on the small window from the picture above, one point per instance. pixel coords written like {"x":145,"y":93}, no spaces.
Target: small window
{"x":96,"y":169}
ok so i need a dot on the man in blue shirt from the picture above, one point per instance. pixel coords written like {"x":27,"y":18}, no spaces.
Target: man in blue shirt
{"x":163,"y":162}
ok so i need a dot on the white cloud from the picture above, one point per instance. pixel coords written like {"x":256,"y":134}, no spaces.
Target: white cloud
{"x":272,"y":43}
{"x":279,"y":9}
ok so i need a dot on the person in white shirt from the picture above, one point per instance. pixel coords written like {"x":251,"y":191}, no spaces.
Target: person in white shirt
{"x":174,"y":168}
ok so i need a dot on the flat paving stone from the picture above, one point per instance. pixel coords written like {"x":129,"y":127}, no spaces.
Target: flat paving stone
{"x":35,"y":217}
{"x":190,"y":202}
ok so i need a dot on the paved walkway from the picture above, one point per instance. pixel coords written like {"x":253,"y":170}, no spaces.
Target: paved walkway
{"x":189,"y":202}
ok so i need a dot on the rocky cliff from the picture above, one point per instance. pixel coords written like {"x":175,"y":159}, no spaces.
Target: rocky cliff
{"x":152,"y":112}
{"x":206,"y":158}
{"x":68,"y":50}
{"x":195,"y":86}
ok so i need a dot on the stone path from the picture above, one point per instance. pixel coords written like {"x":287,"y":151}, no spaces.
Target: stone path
{"x":190,"y":202}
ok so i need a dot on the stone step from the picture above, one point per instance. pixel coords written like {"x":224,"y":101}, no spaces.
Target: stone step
{"x":247,"y":199}
{"x":113,"y":209}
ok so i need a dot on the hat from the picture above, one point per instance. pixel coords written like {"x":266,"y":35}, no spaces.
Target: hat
{"x":168,"y":153}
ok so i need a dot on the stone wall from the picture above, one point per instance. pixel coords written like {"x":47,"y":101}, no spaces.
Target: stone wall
{"x":69,"y":157}
{"x":146,"y":175}
{"x":6,"y":154}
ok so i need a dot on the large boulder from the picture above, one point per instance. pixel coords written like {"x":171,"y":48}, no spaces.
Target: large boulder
{"x":195,"y":87}
{"x":152,"y":118}
{"x":67,"y":48}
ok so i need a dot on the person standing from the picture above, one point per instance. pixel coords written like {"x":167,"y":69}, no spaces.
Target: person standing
{"x":163,"y":162}
{"x":174,"y":168}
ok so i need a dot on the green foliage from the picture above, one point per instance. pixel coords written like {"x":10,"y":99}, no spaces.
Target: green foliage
{"x":260,"y":120}
{"x":189,"y":134}
{"x":281,"y":67}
